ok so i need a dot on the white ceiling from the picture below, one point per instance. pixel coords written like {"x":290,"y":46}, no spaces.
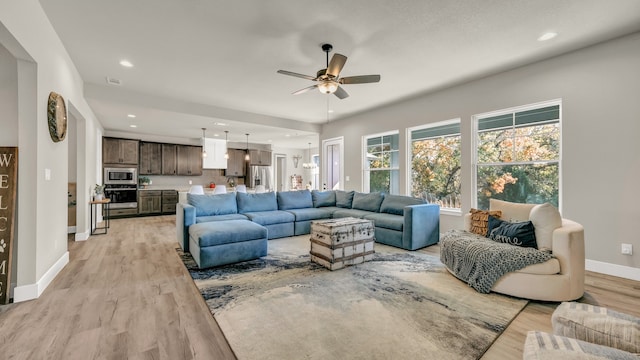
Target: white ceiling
{"x":198,"y":62}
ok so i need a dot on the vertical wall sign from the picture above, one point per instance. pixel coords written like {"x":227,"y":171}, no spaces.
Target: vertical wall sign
{"x":8,"y":185}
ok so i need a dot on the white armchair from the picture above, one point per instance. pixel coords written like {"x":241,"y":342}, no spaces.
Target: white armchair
{"x":558,"y":279}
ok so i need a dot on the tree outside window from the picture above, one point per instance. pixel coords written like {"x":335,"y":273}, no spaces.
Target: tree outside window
{"x":435,"y":163}
{"x":381,"y":163}
{"x":518,"y":156}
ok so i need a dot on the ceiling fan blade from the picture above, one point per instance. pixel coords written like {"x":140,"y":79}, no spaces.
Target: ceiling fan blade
{"x":304,"y":90}
{"x":336,"y":64}
{"x":362,"y":79}
{"x":285,"y":72}
{"x":340,"y":93}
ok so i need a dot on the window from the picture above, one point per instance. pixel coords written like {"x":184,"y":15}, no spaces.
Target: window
{"x":381,"y":168}
{"x":518,"y":155}
{"x":435,"y":163}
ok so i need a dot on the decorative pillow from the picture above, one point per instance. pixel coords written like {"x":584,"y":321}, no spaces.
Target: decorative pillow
{"x":394,"y":204}
{"x":479,"y":220}
{"x":520,"y":234}
{"x":256,"y":202}
{"x":210,"y":205}
{"x":294,"y":199}
{"x":344,"y":199}
{"x":545,"y":218}
{"x":367,"y":202}
{"x":323,"y":198}
{"x":540,"y":345}
{"x":597,"y":325}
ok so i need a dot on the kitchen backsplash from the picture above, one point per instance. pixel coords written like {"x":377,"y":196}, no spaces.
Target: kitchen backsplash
{"x":208,"y":176}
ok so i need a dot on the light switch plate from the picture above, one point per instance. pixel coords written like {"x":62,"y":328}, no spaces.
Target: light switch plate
{"x":47,"y":174}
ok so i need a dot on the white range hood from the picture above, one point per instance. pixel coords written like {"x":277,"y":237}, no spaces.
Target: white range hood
{"x":215,"y":149}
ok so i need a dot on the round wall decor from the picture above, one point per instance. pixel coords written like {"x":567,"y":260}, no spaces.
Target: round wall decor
{"x":57,"y":117}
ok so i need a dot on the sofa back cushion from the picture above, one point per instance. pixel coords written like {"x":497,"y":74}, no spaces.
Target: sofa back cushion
{"x":323,"y":198}
{"x":344,"y":199}
{"x":210,"y":205}
{"x":368,"y":202}
{"x":512,"y":212}
{"x":256,"y":202}
{"x":545,"y":218}
{"x":394,"y":204}
{"x":294,"y":199}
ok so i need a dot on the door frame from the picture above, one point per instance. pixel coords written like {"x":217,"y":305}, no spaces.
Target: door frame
{"x":277,"y":171}
{"x":325,"y":163}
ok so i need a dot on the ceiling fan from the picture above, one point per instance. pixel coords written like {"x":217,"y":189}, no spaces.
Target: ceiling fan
{"x":329,"y":79}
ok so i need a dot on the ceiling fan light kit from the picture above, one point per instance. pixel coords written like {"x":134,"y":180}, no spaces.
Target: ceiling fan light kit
{"x":329,"y":79}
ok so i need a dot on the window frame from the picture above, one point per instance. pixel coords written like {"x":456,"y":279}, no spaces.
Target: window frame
{"x":475,"y":119}
{"x":409,"y":158}
{"x":366,"y":179}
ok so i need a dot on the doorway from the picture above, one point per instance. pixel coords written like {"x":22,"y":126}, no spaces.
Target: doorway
{"x":332,"y":167}
{"x":281,"y":172}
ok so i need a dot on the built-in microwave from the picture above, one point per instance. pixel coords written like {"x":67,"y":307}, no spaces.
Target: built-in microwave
{"x":121,"y":176}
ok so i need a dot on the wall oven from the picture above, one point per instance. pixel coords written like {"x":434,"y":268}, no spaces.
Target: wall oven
{"x":122,"y":196}
{"x":120,"y":176}
{"x":121,"y":187}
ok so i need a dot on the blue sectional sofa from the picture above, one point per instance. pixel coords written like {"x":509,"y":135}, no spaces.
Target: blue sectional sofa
{"x":399,"y":221}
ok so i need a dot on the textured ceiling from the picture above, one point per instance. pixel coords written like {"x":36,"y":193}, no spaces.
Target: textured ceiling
{"x":197,"y":62}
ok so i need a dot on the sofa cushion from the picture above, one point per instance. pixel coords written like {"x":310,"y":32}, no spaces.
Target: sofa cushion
{"x":342,"y":213}
{"x":394,"y":204}
{"x":597,"y":325}
{"x":549,"y":267}
{"x":344,"y":199}
{"x":294,"y":200}
{"x":225,"y":232}
{"x":517,"y":233}
{"x":310,"y":214}
{"x":480,"y":221}
{"x":323,"y":198}
{"x":256,"y":202}
{"x":218,"y":204}
{"x":368,"y":202}
{"x":271,"y":217}
{"x":201,"y":219}
{"x":387,"y":221}
{"x":512,"y":212}
{"x":545,"y":218}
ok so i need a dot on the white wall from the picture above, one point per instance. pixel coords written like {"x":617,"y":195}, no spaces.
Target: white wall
{"x":8,"y":98}
{"x":599,"y":87}
{"x":43,"y":66}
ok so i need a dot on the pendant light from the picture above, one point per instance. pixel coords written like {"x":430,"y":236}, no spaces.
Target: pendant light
{"x":247,"y":157}
{"x":310,"y":164}
{"x":204,"y":143}
{"x":226,"y":144}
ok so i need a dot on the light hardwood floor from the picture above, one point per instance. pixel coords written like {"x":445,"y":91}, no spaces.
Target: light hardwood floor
{"x":126,"y":295}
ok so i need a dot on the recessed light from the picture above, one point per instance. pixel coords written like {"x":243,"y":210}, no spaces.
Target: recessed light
{"x":126,"y":63}
{"x":133,"y":126}
{"x":270,"y":140}
{"x":547,"y":36}
{"x":220,"y":124}
{"x":330,"y":111}
{"x":131,"y":116}
{"x":287,"y":135}
{"x":216,"y":135}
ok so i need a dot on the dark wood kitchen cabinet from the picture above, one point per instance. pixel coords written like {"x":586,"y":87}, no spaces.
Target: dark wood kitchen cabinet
{"x":150,"y":158}
{"x":169,"y":159}
{"x":189,"y":160}
{"x":119,"y":151}
{"x":149,"y":202}
{"x":236,"y":164}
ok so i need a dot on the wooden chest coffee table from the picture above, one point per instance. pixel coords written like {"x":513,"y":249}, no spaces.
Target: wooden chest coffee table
{"x":336,"y":243}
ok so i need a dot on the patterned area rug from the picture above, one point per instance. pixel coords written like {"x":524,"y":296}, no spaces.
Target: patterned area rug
{"x":401,"y":305}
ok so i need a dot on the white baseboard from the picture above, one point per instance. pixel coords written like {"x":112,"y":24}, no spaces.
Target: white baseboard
{"x":82,"y":236}
{"x":33,"y":291}
{"x":71,"y":229}
{"x":622,"y":271}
